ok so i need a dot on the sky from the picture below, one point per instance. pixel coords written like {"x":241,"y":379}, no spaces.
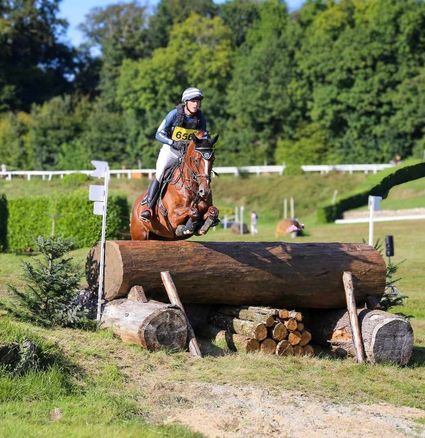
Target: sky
{"x":75,"y":10}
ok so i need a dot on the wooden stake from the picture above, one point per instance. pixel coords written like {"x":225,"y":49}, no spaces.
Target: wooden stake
{"x":171,"y":289}
{"x":347,"y":279}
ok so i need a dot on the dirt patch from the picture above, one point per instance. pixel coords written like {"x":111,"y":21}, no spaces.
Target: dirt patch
{"x":232,"y":411}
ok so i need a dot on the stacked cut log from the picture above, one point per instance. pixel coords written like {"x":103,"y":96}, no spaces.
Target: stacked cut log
{"x":252,"y":328}
{"x":152,"y":325}
{"x":386,"y":337}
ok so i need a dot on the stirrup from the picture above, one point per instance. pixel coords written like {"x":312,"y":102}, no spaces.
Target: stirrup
{"x":146,"y":216}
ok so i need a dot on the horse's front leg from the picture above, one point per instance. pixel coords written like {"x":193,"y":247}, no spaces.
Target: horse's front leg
{"x":191,"y":220}
{"x":211,"y":220}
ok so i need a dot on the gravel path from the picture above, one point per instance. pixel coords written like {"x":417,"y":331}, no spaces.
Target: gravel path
{"x":230,"y":411}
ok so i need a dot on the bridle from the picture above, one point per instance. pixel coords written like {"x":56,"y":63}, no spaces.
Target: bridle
{"x":192,"y":164}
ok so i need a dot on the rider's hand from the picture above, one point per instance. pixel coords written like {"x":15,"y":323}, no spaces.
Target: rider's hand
{"x":177,"y":145}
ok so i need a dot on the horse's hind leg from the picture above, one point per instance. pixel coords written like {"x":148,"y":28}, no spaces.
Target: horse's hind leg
{"x":191,"y":225}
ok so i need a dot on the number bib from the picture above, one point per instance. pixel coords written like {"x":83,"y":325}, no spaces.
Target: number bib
{"x":181,"y":134}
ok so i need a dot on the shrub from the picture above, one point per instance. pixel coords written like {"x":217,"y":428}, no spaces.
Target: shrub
{"x":52,"y":287}
{"x":69,"y":215}
{"x":374,"y":187}
{"x":3,"y":222}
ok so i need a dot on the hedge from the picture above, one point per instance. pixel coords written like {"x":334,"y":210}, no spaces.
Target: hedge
{"x":71,"y":215}
{"x":376,"y":185}
{"x":3,"y":222}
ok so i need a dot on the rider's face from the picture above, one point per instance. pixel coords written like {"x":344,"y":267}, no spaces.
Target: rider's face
{"x":193,"y":105}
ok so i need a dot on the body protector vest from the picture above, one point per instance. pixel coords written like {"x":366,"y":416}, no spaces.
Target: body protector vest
{"x":185,"y":127}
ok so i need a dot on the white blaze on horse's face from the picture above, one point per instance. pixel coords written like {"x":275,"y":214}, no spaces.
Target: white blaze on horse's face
{"x":205,"y":171}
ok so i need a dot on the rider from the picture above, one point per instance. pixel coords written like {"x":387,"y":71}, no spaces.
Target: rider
{"x":175,"y":130}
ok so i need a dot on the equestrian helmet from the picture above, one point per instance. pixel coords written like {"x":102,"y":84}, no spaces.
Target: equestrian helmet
{"x":192,"y":93}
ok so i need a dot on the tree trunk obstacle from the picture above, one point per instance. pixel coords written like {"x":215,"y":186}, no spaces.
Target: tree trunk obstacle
{"x":304,"y":275}
{"x":151,"y":325}
{"x":247,"y":285}
{"x":386,"y":337}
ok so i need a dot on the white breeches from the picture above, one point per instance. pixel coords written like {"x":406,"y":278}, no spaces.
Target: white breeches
{"x":166,"y":158}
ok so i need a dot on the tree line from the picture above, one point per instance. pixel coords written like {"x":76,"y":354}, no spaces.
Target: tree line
{"x":335,"y":81}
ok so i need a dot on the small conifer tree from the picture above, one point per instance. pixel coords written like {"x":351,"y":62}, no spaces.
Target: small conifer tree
{"x":51,"y":294}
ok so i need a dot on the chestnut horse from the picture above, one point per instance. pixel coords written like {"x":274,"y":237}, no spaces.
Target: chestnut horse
{"x":184,"y":206}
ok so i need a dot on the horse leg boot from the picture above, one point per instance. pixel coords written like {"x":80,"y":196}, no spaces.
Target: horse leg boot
{"x":151,"y":197}
{"x":190,"y":226}
{"x":211,"y":220}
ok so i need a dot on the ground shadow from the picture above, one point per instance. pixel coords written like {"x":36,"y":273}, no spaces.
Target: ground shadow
{"x":418,"y":358}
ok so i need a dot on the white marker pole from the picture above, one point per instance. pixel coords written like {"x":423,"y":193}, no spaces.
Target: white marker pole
{"x":99,"y":194}
{"x":241,"y":222}
{"x":102,"y":249}
{"x":374,"y":205}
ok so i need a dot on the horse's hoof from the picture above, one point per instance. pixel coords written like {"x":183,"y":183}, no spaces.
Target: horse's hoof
{"x":216,"y":221}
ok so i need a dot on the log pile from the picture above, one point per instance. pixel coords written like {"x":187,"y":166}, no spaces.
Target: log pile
{"x":251,"y":329}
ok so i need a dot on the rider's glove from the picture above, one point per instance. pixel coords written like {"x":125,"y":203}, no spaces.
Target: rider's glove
{"x":177,"y":145}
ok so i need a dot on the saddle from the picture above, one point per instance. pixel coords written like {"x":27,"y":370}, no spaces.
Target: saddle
{"x":163,"y":184}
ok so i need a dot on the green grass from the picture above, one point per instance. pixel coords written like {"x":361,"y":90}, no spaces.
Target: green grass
{"x":408,"y":195}
{"x":90,"y":402}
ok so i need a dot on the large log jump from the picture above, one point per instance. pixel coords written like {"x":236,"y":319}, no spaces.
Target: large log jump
{"x":303,"y":275}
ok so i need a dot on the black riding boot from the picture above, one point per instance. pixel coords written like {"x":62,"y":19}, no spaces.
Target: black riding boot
{"x":151,"y":197}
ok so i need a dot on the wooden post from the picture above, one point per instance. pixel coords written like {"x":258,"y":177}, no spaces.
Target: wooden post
{"x":347,"y":279}
{"x":175,"y":300}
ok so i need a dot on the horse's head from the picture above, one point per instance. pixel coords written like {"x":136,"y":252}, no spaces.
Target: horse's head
{"x":200,"y":158}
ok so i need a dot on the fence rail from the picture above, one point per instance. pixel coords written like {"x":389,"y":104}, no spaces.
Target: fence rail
{"x":233,"y":170}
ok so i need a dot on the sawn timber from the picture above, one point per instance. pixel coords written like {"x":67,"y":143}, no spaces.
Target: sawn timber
{"x":300,"y":275}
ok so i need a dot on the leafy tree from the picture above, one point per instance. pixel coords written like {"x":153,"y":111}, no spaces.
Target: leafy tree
{"x":259,"y":100}
{"x":105,"y":136}
{"x":54,"y":124}
{"x":239,"y":16}
{"x":308,"y":147}
{"x":52,"y":287}
{"x":74,"y":155}
{"x":171,"y":12}
{"x":199,"y":54}
{"x":355,"y":54}
{"x":34,"y":64}
{"x":119,"y":31}
{"x":16,"y":149}
{"x":408,"y":121}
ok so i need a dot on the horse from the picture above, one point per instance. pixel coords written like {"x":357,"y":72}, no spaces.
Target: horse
{"x":184,"y":206}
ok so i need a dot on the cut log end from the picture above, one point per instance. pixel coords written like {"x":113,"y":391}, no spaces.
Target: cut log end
{"x":268,"y":346}
{"x":284,"y":348}
{"x":279,"y":332}
{"x":151,"y":325}
{"x":392,"y":341}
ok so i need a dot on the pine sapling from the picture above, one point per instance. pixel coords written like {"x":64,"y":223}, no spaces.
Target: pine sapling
{"x":52,"y":287}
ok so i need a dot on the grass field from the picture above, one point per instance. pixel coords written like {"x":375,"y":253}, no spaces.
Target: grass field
{"x":101,"y":386}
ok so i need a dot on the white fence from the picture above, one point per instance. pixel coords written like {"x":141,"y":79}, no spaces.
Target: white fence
{"x":346,"y":168}
{"x":233,"y":170}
